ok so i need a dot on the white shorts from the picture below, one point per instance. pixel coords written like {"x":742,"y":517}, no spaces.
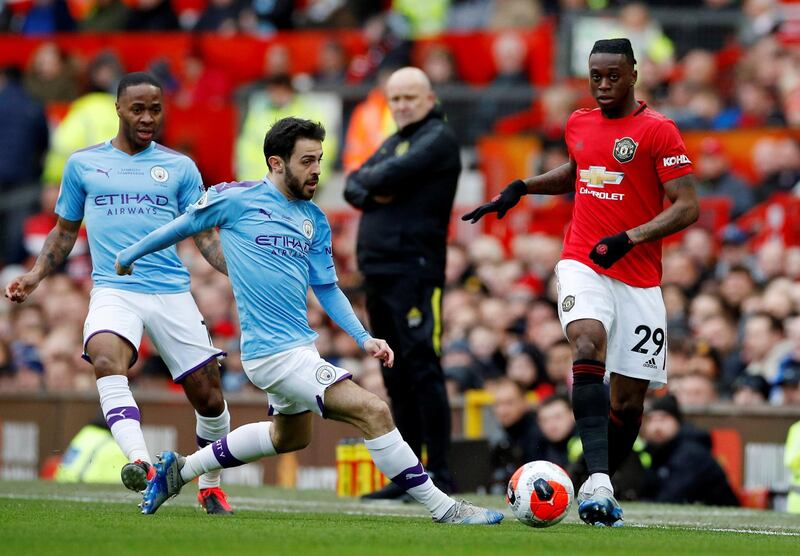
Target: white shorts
{"x":173,"y":322}
{"x":635,"y":319}
{"x":295,"y":379}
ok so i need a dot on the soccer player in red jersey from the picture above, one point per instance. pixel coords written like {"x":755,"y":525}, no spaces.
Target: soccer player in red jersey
{"x":623,"y":158}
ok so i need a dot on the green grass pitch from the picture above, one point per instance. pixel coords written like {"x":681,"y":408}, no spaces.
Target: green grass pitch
{"x":41,"y":518}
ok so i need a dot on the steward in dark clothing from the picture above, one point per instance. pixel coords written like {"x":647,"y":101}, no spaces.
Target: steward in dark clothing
{"x":406,"y":192}
{"x":682,"y":468}
{"x":684,"y":471}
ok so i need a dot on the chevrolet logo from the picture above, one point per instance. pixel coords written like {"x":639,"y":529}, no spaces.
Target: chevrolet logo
{"x":597,"y":176}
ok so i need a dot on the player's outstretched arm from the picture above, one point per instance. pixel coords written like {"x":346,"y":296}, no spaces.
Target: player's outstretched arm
{"x":168,"y":234}
{"x":57,"y":246}
{"x":210,"y":247}
{"x":556,"y":181}
{"x":337,"y":306}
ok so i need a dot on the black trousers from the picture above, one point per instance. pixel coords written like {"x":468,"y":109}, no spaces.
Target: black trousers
{"x":406,"y":312}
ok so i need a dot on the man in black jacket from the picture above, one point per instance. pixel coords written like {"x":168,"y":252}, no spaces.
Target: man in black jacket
{"x":683,"y":470}
{"x":406,"y":192}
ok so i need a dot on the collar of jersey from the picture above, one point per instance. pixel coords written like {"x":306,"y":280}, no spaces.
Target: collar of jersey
{"x":150,"y":148}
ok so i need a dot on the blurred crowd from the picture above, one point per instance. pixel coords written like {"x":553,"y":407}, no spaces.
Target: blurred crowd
{"x":734,"y":329}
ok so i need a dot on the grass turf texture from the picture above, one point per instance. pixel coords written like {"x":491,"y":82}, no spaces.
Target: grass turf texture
{"x":39,"y":518}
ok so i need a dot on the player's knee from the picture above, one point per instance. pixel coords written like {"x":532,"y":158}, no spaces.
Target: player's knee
{"x":107,"y":366}
{"x":377,"y":413}
{"x":212,"y":404}
{"x":627,"y":409}
{"x":586,"y":347}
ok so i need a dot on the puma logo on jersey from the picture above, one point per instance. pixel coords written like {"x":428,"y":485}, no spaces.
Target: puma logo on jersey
{"x":675,"y":160}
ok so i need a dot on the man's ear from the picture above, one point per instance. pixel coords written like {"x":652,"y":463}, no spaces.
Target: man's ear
{"x":275,"y":163}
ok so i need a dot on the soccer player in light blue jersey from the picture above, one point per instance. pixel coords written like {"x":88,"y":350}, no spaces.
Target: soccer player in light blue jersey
{"x":122,"y":190}
{"x":277,"y":243}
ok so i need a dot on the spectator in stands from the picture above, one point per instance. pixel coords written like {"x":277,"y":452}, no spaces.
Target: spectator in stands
{"x":265,"y":18}
{"x":50,"y":76}
{"x":152,"y":15}
{"x":105,"y":16}
{"x":510,"y":90}
{"x":764,"y":345}
{"x":220,"y":16}
{"x":680,"y":269}
{"x":23,"y":143}
{"x":734,"y":251}
{"x":331,"y":66}
{"x":792,"y":358}
{"x":683,"y":470}
{"x":200,"y":85}
{"x":424,"y":18}
{"x":514,"y":14}
{"x":717,"y":179}
{"x":559,"y":366}
{"x":370,"y":124}
{"x":789,"y":386}
{"x":519,"y":435}
{"x":7,"y":371}
{"x":693,"y":390}
{"x":737,"y":287}
{"x":277,"y":100}
{"x":385,"y":49}
{"x":761,"y":18}
{"x":440,"y":66}
{"x":704,"y":306}
{"x":560,"y":443}
{"x":28,"y":332}
{"x":646,"y":36}
{"x":719,"y":331}
{"x":91,"y":119}
{"x":526,"y":367}
{"x":46,"y":17}
{"x":750,"y":390}
{"x":778,"y":164}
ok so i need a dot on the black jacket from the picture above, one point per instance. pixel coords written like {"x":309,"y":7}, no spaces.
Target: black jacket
{"x":416,"y":170}
{"x":684,"y":471}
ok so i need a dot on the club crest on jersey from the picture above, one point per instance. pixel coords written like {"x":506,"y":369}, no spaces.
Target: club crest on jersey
{"x":308,"y":228}
{"x":624,"y":149}
{"x":326,"y":375}
{"x":568,"y":303}
{"x":159,"y":174}
{"x":401,"y":148}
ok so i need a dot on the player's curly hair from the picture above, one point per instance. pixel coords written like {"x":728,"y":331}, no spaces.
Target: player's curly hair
{"x":284,"y":133}
{"x":614,"y":46}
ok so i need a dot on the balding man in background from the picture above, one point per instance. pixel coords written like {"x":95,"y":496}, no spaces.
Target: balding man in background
{"x":406,"y":192}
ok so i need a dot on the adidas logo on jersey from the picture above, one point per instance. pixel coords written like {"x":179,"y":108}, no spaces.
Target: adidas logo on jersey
{"x":651,"y":364}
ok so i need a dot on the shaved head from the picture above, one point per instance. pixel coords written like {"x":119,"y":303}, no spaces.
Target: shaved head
{"x":410,"y":96}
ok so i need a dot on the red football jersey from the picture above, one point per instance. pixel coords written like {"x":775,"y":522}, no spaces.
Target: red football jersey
{"x":622,"y":166}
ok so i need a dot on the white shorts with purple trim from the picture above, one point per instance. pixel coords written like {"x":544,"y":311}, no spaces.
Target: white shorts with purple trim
{"x":295,"y":380}
{"x":173,"y":322}
{"x":635,"y":319}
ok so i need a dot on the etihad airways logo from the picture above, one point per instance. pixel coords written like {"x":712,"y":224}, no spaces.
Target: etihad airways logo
{"x":597,"y":177}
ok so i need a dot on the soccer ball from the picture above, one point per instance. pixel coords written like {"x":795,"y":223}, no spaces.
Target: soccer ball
{"x":540,"y":494}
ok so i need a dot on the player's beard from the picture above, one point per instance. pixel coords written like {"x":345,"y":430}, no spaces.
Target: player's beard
{"x":295,"y":187}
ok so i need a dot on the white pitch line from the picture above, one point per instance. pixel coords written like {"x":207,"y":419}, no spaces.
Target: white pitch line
{"x":357,"y":509}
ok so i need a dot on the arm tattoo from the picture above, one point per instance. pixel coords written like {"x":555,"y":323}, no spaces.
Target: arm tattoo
{"x":56,"y":247}
{"x":209,"y":245}
{"x":556,"y":181}
{"x":682,"y":213}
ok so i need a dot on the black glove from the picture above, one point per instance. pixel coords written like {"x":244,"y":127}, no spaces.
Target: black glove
{"x":611,"y":249}
{"x":501,"y":204}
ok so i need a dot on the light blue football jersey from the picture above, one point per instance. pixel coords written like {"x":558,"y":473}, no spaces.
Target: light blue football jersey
{"x":121,"y":198}
{"x":274,"y":248}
